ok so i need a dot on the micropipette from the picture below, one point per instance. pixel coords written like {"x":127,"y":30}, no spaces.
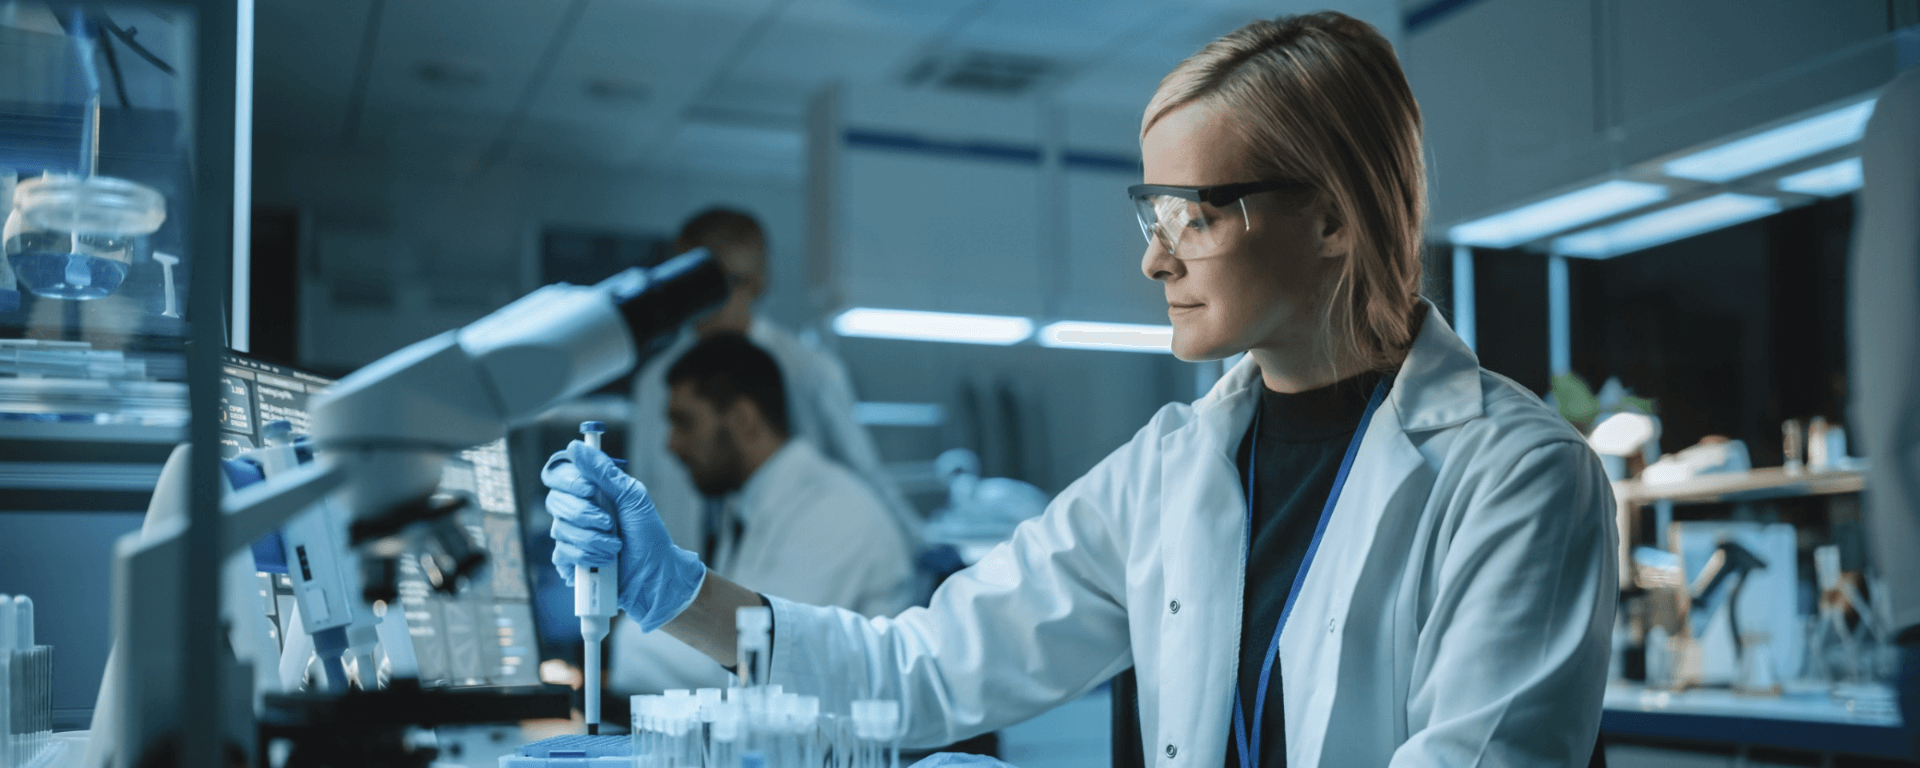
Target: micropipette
{"x":594,"y":590}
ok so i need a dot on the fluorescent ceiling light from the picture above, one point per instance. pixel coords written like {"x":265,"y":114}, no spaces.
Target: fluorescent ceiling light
{"x":1531,"y":222}
{"x":1779,"y":146}
{"x":875,"y":414}
{"x":1666,"y":225}
{"x":1826,"y":181}
{"x":932,"y":326}
{"x":1125,"y":337}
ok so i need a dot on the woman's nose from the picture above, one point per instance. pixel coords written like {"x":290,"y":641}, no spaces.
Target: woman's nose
{"x":1157,"y":263}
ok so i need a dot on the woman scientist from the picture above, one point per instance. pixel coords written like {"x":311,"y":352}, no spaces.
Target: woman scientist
{"x":1359,"y":548}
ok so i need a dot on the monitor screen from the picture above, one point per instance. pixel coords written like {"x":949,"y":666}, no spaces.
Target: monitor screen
{"x":485,"y":635}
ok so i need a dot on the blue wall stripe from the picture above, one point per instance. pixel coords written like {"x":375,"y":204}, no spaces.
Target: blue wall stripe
{"x":1426,"y":15}
{"x":1025,"y":154}
{"x":1100,"y":161}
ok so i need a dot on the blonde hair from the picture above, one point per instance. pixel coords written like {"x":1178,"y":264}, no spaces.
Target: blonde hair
{"x":1321,"y":99}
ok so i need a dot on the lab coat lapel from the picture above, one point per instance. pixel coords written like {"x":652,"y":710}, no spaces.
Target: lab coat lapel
{"x":1438,"y":385}
{"x":1311,"y":641}
{"x":1203,"y":535}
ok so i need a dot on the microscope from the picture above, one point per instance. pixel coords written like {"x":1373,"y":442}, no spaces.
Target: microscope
{"x":380,"y":438}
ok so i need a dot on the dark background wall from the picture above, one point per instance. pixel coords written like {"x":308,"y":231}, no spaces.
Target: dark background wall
{"x":1731,"y":332}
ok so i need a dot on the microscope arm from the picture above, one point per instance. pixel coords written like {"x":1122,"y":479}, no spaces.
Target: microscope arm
{"x":394,"y":421}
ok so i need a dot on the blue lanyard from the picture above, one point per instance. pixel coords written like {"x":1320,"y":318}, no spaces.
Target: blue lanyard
{"x":1250,"y":746}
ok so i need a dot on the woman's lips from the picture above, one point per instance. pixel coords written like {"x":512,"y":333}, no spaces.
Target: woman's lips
{"x":1175,"y":309}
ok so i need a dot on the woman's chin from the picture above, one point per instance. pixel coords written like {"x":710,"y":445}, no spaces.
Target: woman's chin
{"x":1194,"y":348}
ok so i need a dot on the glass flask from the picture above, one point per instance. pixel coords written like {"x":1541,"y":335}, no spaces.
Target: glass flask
{"x":70,"y":237}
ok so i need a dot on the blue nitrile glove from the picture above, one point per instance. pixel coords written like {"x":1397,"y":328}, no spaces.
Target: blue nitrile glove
{"x":657,"y":579}
{"x":959,"y":760}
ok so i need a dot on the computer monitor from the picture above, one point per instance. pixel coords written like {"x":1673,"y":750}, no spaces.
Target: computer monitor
{"x":485,"y":635}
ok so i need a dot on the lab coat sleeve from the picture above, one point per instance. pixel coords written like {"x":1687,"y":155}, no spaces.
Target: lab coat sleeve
{"x":1040,"y":620}
{"x":1511,"y":663}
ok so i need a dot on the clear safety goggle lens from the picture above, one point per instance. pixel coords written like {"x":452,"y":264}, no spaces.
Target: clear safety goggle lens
{"x":1188,"y":228}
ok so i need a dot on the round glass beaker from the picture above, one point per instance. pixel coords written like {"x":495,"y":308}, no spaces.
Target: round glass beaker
{"x":73,"y":238}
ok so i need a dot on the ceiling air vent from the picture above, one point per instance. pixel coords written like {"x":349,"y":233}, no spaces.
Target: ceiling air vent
{"x":981,"y":72}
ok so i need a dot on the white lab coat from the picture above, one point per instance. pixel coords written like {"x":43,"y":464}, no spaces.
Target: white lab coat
{"x":812,"y":532}
{"x":1457,"y":613}
{"x":1885,"y":309}
{"x":819,"y":409}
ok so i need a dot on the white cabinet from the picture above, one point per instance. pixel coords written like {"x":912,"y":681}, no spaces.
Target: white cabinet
{"x":957,"y":204}
{"x":1523,"y":97}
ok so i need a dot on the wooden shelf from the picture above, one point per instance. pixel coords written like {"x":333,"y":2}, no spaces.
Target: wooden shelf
{"x":1752,"y":485}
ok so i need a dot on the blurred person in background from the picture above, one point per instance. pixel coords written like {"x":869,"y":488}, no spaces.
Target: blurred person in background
{"x":1885,"y":305}
{"x":819,"y":395}
{"x":804,"y":526}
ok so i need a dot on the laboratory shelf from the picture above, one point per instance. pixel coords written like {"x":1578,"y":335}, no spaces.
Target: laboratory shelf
{"x":56,"y":466}
{"x":1810,"y":721}
{"x":1751,"y":485}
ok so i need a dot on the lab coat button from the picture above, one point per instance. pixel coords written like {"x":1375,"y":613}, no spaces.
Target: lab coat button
{"x":1173,"y":607}
{"x":1171,"y":751}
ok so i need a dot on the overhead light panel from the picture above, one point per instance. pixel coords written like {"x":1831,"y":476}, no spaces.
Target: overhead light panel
{"x":1557,"y":214}
{"x":913,"y":325}
{"x":876,"y":414}
{"x":1124,"y":337}
{"x":1666,"y":225}
{"x":1830,"y":180}
{"x":1776,"y":147}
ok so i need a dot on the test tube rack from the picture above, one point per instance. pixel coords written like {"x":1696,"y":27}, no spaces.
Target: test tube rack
{"x":26,"y":677}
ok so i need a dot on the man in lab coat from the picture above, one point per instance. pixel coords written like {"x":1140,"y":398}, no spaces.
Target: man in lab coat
{"x":819,"y":396}
{"x":798,"y":524}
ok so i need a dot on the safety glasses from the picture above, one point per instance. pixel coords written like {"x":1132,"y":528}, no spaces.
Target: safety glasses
{"x":1194,"y":222}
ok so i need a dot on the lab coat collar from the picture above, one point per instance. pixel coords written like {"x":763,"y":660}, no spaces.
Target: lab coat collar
{"x":1442,"y":378}
{"x":1438,"y":385}
{"x":785,"y":468}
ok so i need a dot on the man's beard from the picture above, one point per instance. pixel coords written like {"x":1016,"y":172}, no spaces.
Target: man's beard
{"x":723,"y":475}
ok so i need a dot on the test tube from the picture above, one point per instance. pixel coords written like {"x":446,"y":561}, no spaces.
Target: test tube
{"x":754,"y":642}
{"x":728,"y":734}
{"x":645,"y":744}
{"x":35,"y":707}
{"x":808,"y":729}
{"x":709,"y":702}
{"x":10,"y":685}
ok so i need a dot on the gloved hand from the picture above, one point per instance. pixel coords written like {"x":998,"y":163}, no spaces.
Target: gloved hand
{"x":959,"y":760}
{"x":601,"y":515}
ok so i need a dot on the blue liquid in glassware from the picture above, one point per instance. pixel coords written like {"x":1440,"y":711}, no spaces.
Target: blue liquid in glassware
{"x":67,"y":275}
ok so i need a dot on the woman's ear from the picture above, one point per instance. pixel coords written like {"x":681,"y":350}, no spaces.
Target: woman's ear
{"x":1336,"y":238}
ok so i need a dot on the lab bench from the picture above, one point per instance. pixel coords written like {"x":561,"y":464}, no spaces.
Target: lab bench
{"x":1814,"y":721}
